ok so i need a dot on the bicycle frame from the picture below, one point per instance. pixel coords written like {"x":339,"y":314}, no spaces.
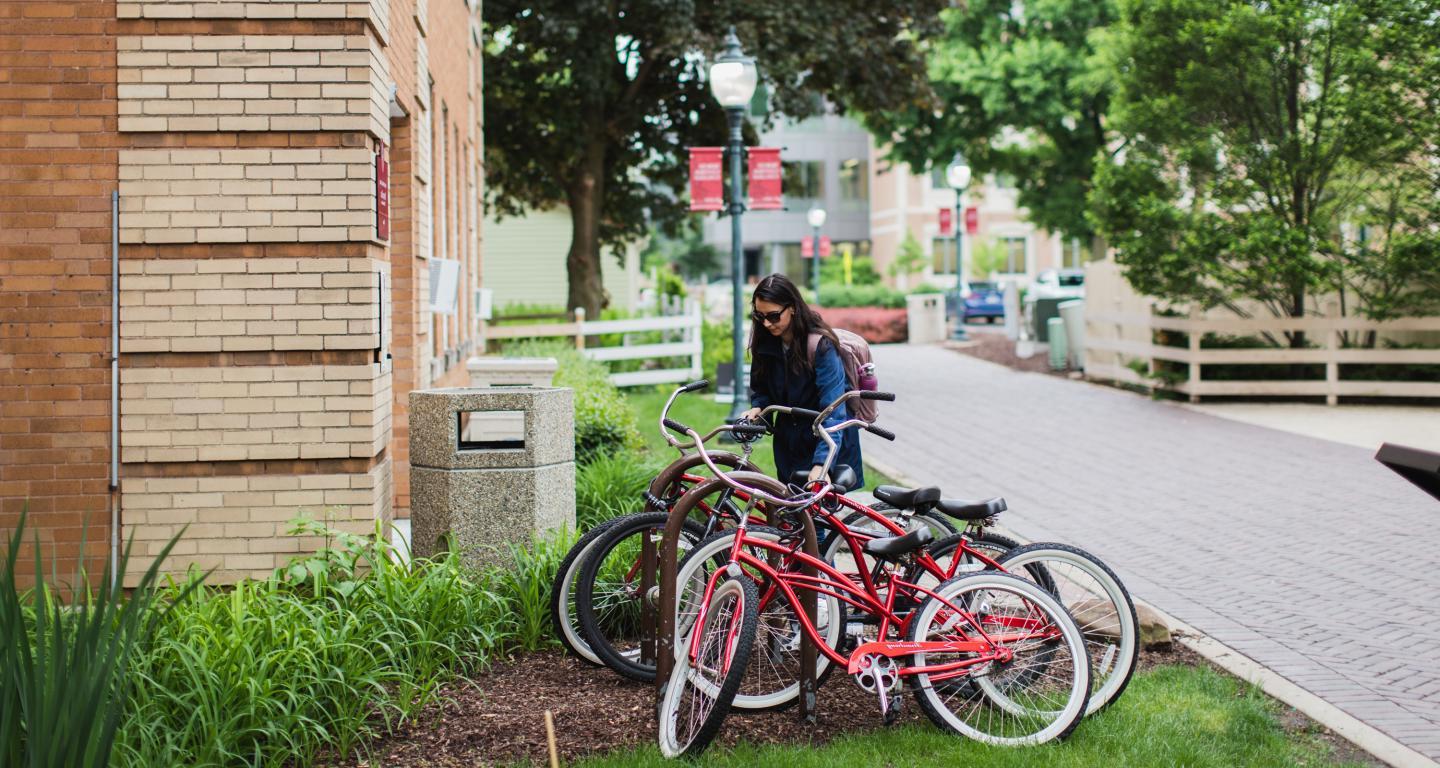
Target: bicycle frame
{"x":835,"y":584}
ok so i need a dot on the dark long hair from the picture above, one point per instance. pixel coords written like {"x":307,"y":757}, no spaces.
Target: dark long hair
{"x":777,"y":289}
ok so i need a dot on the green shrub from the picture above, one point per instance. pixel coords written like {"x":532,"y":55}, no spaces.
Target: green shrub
{"x":718,"y":347}
{"x":603,"y":421}
{"x":840,"y":295}
{"x":331,"y":650}
{"x":66,"y":670}
{"x":610,"y":486}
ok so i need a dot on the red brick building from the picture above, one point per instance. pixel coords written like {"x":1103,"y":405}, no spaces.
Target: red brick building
{"x":270,"y":327}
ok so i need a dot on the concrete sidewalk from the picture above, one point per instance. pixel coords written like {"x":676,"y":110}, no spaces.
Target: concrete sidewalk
{"x":1303,"y":554}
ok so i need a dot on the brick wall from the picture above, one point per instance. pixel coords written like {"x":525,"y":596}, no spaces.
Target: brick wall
{"x":250,"y":353}
{"x":254,"y":413}
{"x":375,"y":12}
{"x":253,"y":83}
{"x":253,"y":510}
{"x":230,"y":305}
{"x":247,"y":195}
{"x":57,"y":169}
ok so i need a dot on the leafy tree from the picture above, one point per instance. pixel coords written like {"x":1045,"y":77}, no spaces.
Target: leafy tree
{"x":987,"y":257}
{"x":1016,"y":94}
{"x":685,"y":250}
{"x":909,"y":260}
{"x":590,"y":104}
{"x":1260,"y":134}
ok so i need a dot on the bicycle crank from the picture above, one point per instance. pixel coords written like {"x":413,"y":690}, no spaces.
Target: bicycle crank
{"x":880,"y":675}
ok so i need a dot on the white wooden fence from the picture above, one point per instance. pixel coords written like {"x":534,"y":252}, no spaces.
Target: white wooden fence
{"x":1120,"y":328}
{"x":685,"y":325}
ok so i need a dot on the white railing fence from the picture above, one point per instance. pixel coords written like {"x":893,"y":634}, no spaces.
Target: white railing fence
{"x":1120,"y":333}
{"x":680,"y":334}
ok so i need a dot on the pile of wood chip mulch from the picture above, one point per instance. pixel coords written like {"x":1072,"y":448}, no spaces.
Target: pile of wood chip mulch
{"x":498,"y":718}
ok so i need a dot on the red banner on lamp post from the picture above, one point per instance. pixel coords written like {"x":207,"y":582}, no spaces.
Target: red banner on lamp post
{"x":947,"y":221}
{"x":972,"y":220}
{"x":706,"y":179}
{"x":764,"y":181}
{"x":807,"y":247}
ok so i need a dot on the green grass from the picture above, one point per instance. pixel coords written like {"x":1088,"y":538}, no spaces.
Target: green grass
{"x":1170,"y":716}
{"x":700,"y":411}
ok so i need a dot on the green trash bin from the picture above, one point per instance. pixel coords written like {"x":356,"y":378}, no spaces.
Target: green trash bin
{"x":1059,"y":349}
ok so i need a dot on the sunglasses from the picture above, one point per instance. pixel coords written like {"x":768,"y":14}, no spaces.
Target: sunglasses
{"x":772,"y":318}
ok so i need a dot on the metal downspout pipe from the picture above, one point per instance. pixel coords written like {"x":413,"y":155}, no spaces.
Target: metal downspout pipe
{"x":114,"y":386}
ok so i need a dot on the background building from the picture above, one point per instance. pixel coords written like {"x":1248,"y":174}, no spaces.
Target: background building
{"x":272,"y":317}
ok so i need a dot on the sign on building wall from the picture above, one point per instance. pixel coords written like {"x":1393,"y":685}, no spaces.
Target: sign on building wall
{"x":382,"y":192}
{"x":444,"y":285}
{"x":706,"y":179}
{"x":947,"y":221}
{"x":764,"y":180}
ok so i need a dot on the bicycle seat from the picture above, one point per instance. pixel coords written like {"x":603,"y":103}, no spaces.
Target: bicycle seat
{"x":971,"y":510}
{"x":897,"y":546}
{"x":907,"y":498}
{"x":841,"y":476}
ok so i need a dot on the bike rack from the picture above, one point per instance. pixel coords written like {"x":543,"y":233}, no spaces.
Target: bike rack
{"x":662,"y":488}
{"x":669,"y":545}
{"x":1419,"y":467}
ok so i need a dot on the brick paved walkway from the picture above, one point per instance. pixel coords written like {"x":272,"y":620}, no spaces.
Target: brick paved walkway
{"x":1305,"y":555}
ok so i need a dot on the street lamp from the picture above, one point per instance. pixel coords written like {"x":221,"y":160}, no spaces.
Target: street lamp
{"x":732,"y":80}
{"x":816,"y":217}
{"x":958,"y":174}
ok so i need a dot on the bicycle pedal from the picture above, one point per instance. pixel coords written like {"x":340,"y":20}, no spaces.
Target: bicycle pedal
{"x":891,"y":709}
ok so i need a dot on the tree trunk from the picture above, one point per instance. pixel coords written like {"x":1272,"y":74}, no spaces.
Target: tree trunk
{"x":1297,"y":309}
{"x":587,"y":198}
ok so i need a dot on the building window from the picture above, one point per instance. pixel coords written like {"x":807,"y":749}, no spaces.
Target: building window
{"x":854,"y":181}
{"x":943,"y":255}
{"x":1014,"y":250}
{"x":804,"y":180}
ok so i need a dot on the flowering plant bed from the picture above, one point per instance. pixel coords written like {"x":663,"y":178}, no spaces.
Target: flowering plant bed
{"x":876,"y":325}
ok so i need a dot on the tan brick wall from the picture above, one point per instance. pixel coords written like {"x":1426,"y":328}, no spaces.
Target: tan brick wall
{"x":231,"y":305}
{"x":238,"y":525}
{"x":254,"y":83}
{"x":247,"y":195}
{"x":253,"y":413}
{"x":374,"y":12}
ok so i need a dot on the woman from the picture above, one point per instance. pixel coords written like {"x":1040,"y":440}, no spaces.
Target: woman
{"x":782,"y":373}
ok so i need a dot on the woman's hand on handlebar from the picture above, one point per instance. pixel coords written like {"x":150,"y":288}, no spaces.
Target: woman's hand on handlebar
{"x":752,"y":415}
{"x":816,"y":473}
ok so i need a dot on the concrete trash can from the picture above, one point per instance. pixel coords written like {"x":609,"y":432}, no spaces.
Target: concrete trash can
{"x":489,"y":487}
{"x":494,"y":371}
{"x":1073,"y":313}
{"x":925,"y":316}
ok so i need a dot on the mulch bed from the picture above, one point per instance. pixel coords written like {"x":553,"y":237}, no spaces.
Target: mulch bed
{"x":499,"y":717}
{"x":996,"y":348}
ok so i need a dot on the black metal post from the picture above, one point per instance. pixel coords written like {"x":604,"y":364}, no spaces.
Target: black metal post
{"x":815,"y":262}
{"x":959,"y":334}
{"x":737,"y":260}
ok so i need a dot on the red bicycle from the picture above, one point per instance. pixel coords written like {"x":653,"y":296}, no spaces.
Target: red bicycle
{"x":988,"y":655}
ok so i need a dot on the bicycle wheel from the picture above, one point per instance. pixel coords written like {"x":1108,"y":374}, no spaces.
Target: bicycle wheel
{"x":698,"y":696}
{"x":1100,"y":604}
{"x":607,"y":593}
{"x":772,"y":680}
{"x":562,"y":602}
{"x":1030,"y":687}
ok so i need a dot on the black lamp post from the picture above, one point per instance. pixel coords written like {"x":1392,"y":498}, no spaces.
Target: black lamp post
{"x":958,"y":175}
{"x":816,"y":218}
{"x":732,"y":79}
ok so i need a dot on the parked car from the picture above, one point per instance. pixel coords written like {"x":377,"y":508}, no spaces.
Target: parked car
{"x":1059,"y":284}
{"x":986,"y":300}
